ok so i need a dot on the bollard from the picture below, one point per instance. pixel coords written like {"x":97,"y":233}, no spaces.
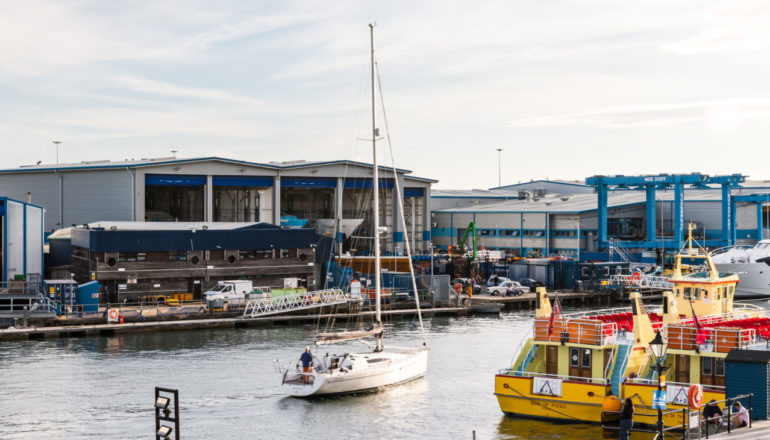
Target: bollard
{"x":120,"y":319}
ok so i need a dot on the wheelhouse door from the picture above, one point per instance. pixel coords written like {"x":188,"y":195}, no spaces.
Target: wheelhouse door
{"x":682,"y":368}
{"x":551,"y":359}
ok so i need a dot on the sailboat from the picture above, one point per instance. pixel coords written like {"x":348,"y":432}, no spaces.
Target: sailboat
{"x":380,"y":367}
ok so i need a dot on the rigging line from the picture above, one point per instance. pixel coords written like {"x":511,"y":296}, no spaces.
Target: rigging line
{"x":399,"y":200}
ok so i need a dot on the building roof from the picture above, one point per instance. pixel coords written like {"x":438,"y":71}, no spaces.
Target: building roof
{"x":147,"y":162}
{"x":588,"y":202}
{"x":105,"y":164}
{"x":554,"y":182}
{"x":473,"y":194}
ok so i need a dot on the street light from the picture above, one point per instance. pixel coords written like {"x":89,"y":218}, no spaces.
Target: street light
{"x":57,"y":142}
{"x":498,"y":168}
{"x":658,"y":347}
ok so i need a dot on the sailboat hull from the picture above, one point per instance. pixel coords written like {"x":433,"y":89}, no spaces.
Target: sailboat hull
{"x":360,"y":373}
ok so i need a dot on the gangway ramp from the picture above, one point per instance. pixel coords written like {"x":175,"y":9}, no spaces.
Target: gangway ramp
{"x":297,"y":301}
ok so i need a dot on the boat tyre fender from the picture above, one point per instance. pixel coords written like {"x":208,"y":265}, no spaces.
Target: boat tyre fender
{"x":695,"y":396}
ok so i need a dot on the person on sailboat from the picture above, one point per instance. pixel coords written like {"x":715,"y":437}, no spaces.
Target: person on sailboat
{"x":307,"y":364}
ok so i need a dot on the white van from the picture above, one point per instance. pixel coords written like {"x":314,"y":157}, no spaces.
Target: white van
{"x":230,"y":292}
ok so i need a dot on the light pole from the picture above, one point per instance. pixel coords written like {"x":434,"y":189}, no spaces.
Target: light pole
{"x":57,"y":142}
{"x":659,"y":351}
{"x":498,"y":167}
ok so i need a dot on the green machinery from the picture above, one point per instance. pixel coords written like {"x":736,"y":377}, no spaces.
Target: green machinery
{"x":470,"y":230}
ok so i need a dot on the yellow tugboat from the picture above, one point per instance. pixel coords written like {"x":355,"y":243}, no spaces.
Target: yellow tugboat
{"x":579,"y":367}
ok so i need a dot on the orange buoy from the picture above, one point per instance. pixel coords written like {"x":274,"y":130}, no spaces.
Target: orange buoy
{"x":695,"y":396}
{"x":120,"y":318}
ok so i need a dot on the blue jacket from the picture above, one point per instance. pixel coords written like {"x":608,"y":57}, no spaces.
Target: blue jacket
{"x":306,"y":359}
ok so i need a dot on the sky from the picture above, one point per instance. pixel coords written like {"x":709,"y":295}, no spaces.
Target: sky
{"x":567,"y":89}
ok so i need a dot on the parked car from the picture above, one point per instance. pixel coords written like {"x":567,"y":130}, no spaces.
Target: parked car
{"x":532,"y":284}
{"x":496,"y":281}
{"x":508,"y":288}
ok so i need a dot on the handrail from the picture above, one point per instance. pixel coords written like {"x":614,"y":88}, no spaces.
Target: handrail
{"x":612,"y":355}
{"x":520,"y":347}
{"x":512,"y":372}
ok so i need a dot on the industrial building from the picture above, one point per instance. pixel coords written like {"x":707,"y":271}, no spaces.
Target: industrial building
{"x":215,"y":189}
{"x":134,"y":260}
{"x":21,"y":231}
{"x":727,"y":211}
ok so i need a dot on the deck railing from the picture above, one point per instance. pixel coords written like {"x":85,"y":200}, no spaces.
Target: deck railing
{"x":589,"y":380}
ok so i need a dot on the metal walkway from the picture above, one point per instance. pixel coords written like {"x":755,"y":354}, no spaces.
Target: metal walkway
{"x":641,"y":281}
{"x":289,"y":303}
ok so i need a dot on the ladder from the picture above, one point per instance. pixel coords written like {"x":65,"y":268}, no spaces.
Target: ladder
{"x":293,"y":302}
{"x":621,"y":360}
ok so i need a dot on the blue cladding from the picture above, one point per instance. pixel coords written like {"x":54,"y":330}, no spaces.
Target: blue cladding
{"x":744,"y":375}
{"x":425,"y":235}
{"x":301,"y":182}
{"x":88,"y":296}
{"x":414,"y":192}
{"x":157,"y":241}
{"x":367,"y":184}
{"x":173,"y":180}
{"x":242,"y":181}
{"x":398,"y":237}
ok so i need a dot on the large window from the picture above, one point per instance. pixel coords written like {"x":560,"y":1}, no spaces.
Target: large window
{"x":236,"y":204}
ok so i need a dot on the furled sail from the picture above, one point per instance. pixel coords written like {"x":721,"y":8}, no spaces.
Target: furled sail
{"x":331,"y":338}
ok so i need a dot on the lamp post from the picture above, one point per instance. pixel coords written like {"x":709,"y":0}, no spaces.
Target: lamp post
{"x":499,"y":174}
{"x":57,"y":142}
{"x":658,"y":347}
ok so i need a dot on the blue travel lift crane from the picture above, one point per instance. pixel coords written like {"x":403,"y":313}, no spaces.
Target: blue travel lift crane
{"x":652,"y":183}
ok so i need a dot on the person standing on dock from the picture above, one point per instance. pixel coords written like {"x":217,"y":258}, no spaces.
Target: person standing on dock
{"x":307,"y":364}
{"x":626,"y":419}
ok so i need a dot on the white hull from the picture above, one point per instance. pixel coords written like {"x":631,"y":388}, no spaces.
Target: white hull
{"x":360,"y":372}
{"x":754,"y":278}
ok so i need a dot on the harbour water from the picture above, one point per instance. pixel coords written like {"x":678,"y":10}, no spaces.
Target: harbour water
{"x":103,"y":387}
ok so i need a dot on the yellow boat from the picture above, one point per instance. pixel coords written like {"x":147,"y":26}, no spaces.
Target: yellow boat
{"x":579,"y":367}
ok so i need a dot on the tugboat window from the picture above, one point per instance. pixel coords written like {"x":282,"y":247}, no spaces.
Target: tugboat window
{"x":719,"y":368}
{"x":586,"y":357}
{"x":574,"y":357}
{"x":706,"y":366}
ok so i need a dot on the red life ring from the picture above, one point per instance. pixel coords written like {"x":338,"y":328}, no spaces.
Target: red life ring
{"x":636,"y":276}
{"x":113,"y":315}
{"x":695,"y":396}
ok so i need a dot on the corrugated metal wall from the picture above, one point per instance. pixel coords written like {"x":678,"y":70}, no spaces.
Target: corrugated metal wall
{"x":43,"y":187}
{"x":34,"y":237}
{"x":14,"y":230}
{"x":91,"y":196}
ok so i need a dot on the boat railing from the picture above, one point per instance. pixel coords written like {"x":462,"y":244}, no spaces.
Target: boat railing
{"x":527,"y":374}
{"x":611,"y":311}
{"x":520,"y":347}
{"x":715,"y":339}
{"x":612,"y":355}
{"x":670,"y":384}
{"x":580,"y":331}
{"x":724,"y":249}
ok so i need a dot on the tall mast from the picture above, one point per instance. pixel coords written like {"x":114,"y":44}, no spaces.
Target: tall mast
{"x":376,"y":203}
